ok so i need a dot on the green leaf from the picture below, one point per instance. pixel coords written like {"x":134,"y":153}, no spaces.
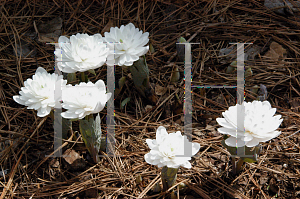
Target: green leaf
{"x":248,"y":72}
{"x":254,"y":89}
{"x":151,"y":48}
{"x":181,"y":40}
{"x":92,"y":71}
{"x":124,"y":102}
{"x":232,"y":67}
{"x":234,"y":63}
{"x":122,"y":82}
{"x":140,"y":75}
{"x":263,"y":93}
{"x":139,"y":71}
{"x":175,"y":76}
{"x":250,"y":160}
{"x":91,"y":134}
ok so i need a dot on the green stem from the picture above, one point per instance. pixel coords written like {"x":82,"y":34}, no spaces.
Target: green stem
{"x":71,"y":77}
{"x":177,"y":97}
{"x":82,"y":77}
{"x":239,"y":165}
{"x":168,"y":177}
{"x":236,"y":166}
{"x":233,"y":165}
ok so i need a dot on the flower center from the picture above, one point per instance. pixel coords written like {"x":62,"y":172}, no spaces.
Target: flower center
{"x":168,"y":150}
{"x":83,"y":51}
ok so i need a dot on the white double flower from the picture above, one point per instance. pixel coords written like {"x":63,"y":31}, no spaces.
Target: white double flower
{"x":259,"y":124}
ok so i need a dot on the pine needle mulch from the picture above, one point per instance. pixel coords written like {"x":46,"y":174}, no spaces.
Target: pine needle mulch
{"x":27,"y":171}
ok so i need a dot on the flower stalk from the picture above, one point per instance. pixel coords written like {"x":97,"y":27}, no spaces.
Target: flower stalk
{"x":83,"y":77}
{"x":168,"y":177}
{"x":239,"y":165}
{"x":71,"y":77}
{"x":234,"y":172}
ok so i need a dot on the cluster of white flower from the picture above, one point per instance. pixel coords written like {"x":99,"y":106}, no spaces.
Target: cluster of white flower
{"x":121,"y":46}
{"x":259,"y":126}
{"x":79,"y":100}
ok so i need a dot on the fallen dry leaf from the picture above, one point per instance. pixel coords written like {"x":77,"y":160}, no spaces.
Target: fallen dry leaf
{"x":148,"y":108}
{"x":273,"y":4}
{"x":74,"y":159}
{"x":231,"y":54}
{"x":273,"y":187}
{"x":50,"y":31}
{"x":160,"y":90}
{"x":276,"y":52}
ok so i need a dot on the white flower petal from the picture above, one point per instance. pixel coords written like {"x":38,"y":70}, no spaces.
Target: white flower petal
{"x":234,"y":142}
{"x":232,"y":132}
{"x":148,"y":158}
{"x":224,"y":123}
{"x":187,"y":165}
{"x":248,"y":137}
{"x":18,"y":100}
{"x":196,"y":148}
{"x":160,"y":133}
{"x":151,"y":143}
{"x":252,"y":143}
